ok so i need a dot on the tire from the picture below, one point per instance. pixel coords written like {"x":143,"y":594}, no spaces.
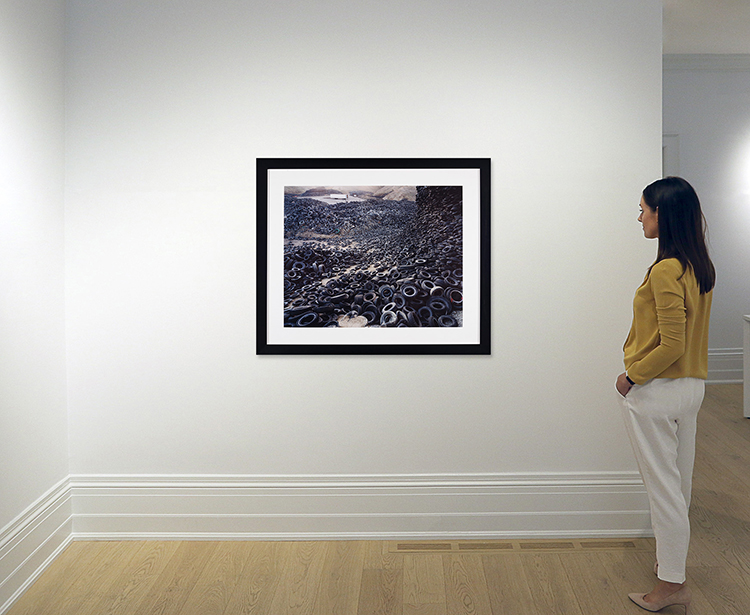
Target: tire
{"x":440,"y":306}
{"x":308,"y":319}
{"x":338,"y":298}
{"x":388,"y":319}
{"x":296,"y":312}
{"x":412,"y":319}
{"x":426,"y":316}
{"x":386,"y":292}
{"x":409,"y":291}
{"x":447,"y":321}
{"x":455,"y":296}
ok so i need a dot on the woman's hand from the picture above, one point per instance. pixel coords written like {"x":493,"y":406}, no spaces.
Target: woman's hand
{"x":622,"y":385}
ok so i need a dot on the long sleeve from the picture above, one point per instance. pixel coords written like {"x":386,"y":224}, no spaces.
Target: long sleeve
{"x":669,"y":335}
{"x":669,"y":302}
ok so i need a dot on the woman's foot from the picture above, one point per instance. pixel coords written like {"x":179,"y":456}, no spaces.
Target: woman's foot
{"x":663,"y":595}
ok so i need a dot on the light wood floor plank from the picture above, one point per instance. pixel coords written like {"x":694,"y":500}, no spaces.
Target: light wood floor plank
{"x":550,"y":585}
{"x":257,"y":584}
{"x":591,"y":583}
{"x":97,"y":585}
{"x":700,"y":603}
{"x":378,"y":556}
{"x":381,"y":592}
{"x":424,"y":584}
{"x":381,"y":585}
{"x":507,"y":585}
{"x":628,"y":572}
{"x":705,"y":540}
{"x":177,"y":579}
{"x":215,"y":587}
{"x":725,"y":444}
{"x":719,"y":474}
{"x":301,"y":576}
{"x":424,"y":609}
{"x":720,"y":520}
{"x":733,"y":540}
{"x":465,"y":585}
{"x":126,"y":585}
{"x":725,"y":593}
{"x":338,"y":593}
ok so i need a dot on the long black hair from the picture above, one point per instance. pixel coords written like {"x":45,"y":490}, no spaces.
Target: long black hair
{"x":682,"y":228}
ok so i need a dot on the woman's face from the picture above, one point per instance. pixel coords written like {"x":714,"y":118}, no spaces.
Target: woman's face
{"x":649,"y":218}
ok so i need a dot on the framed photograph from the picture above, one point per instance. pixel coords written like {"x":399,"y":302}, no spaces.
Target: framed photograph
{"x":373,"y":256}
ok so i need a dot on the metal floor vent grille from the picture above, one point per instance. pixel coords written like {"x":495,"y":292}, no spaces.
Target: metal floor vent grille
{"x":522,"y":546}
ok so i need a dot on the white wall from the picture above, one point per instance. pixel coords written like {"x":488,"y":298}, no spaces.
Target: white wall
{"x":33,"y":440}
{"x":707,"y":105}
{"x":168,"y":106}
{"x":34,"y":515}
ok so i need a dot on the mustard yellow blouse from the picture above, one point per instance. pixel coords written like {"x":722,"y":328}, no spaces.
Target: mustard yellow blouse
{"x":669,"y":334}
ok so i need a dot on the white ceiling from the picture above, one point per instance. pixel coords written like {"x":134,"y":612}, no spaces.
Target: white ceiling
{"x":706,"y":26}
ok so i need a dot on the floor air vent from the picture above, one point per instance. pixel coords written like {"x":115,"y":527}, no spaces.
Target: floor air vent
{"x":522,"y":546}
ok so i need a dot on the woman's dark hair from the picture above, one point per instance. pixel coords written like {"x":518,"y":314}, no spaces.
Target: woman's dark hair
{"x":682,"y":228}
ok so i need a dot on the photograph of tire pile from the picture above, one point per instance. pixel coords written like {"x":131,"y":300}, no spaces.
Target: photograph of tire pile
{"x":373,"y":256}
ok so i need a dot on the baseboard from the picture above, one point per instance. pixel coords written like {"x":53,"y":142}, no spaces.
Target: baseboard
{"x":359,"y":507}
{"x":32,"y":541}
{"x":707,"y":61}
{"x":725,"y":366}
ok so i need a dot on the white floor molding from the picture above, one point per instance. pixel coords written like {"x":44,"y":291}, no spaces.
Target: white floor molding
{"x":359,"y":507}
{"x":32,"y":541}
{"x":725,"y":366}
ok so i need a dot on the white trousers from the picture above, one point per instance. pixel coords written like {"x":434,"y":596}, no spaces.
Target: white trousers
{"x":661,"y":418}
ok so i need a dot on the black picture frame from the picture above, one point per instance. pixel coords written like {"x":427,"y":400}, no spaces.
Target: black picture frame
{"x":447,"y":223}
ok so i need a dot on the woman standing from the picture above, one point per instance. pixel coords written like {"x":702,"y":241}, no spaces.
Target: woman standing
{"x":666,"y":362}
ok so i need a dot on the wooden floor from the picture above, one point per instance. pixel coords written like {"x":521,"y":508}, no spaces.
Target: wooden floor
{"x":444,"y":577}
